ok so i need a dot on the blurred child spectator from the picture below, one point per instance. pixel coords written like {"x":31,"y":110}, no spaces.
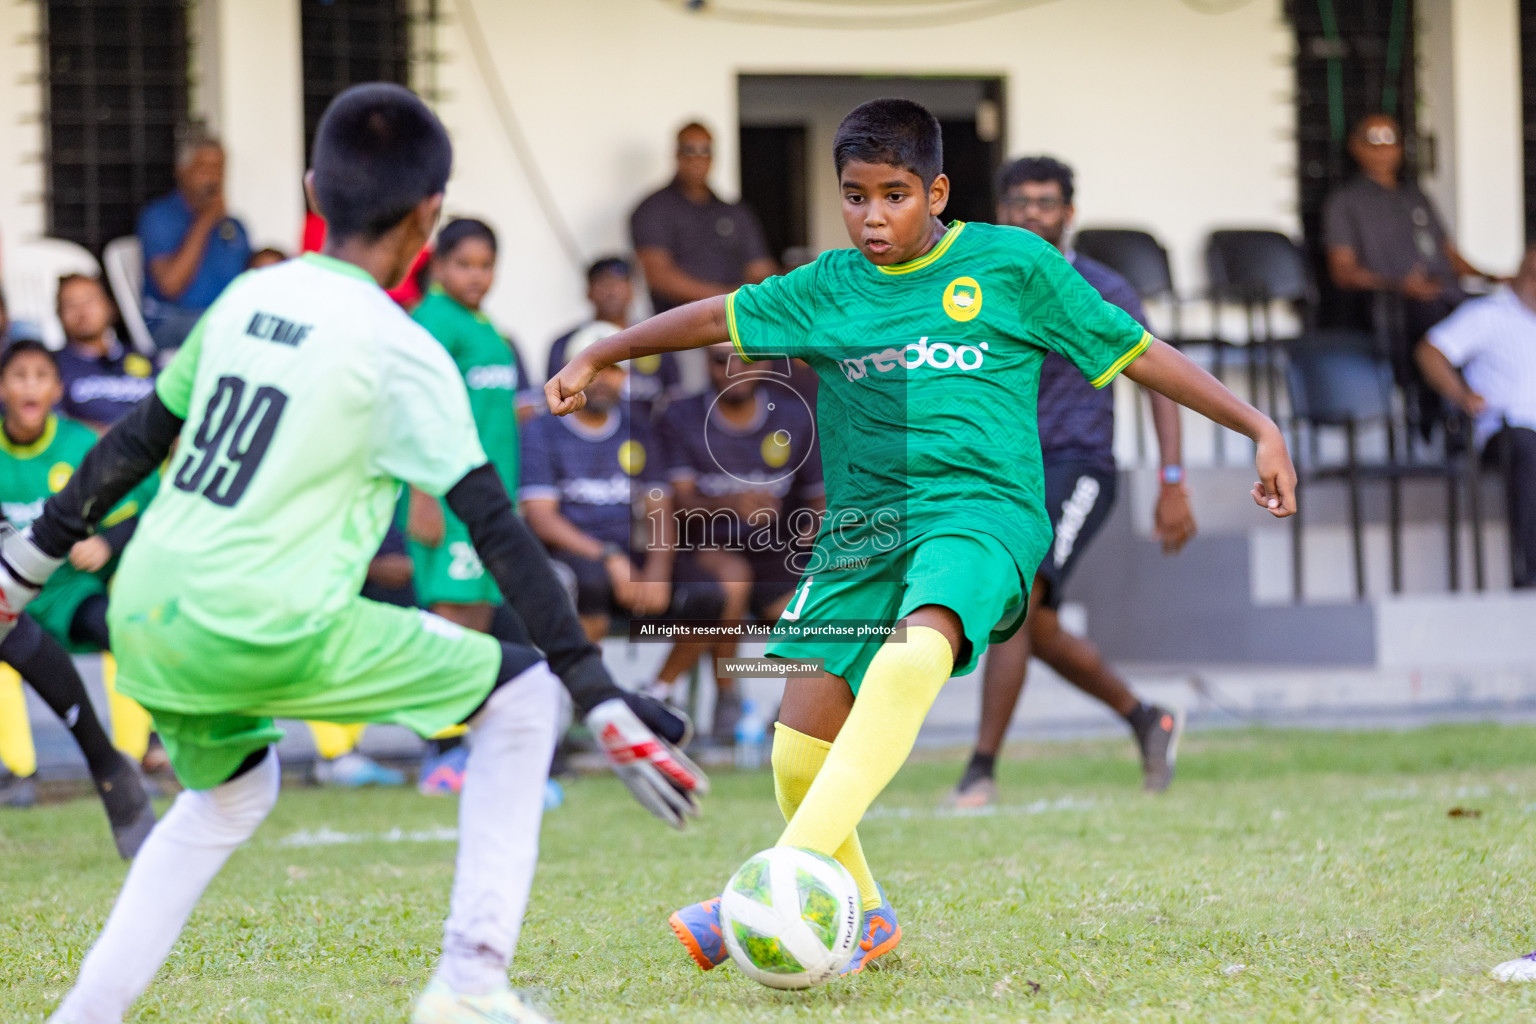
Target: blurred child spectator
{"x":102,"y":379}
{"x":746,"y":472}
{"x":582,"y":475}
{"x":192,"y":247}
{"x":610,"y":289}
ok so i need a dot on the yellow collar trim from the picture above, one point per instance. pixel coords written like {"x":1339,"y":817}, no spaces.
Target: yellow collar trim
{"x":36,"y":448}
{"x":930,"y":257}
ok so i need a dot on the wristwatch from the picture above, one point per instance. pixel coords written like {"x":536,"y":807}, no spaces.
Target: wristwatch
{"x":1173,"y":475}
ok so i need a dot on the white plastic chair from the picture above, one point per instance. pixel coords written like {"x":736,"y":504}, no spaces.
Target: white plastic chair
{"x":124,"y":262}
{"x":31,"y":279}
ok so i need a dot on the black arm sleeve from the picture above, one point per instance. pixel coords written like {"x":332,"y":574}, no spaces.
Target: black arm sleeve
{"x":519,"y":565}
{"x":126,"y":454}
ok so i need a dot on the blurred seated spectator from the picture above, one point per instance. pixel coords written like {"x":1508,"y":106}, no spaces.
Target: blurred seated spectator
{"x":581,"y":475}
{"x":102,"y":379}
{"x":746,"y":473}
{"x":192,"y":247}
{"x":268,"y":257}
{"x":691,"y":243}
{"x":1492,"y":341}
{"x":1383,"y":234}
{"x":610,"y":289}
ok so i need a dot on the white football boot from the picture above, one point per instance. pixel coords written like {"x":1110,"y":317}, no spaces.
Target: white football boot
{"x":439,"y":1004}
{"x":1523,"y":969}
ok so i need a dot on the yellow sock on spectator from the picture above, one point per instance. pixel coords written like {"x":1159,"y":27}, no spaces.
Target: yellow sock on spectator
{"x":131,"y":724}
{"x":899,"y":687}
{"x":797,"y":758}
{"x":332,"y":740}
{"x":16,"y":749}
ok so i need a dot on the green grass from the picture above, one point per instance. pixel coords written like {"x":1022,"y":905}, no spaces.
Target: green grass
{"x":1287,"y":876}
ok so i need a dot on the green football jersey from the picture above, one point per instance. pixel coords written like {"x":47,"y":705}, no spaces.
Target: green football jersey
{"x":486,"y":362}
{"x":308,"y":397}
{"x":929,"y":372}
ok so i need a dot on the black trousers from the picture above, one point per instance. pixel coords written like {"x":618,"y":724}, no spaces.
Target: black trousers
{"x":1515,"y":447}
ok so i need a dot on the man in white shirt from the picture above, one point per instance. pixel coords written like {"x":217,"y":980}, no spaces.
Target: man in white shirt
{"x":1492,"y":341}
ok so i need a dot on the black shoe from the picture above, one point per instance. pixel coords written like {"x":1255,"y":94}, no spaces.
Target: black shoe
{"x":1158,"y":739}
{"x":16,"y":791}
{"x":129,"y":811}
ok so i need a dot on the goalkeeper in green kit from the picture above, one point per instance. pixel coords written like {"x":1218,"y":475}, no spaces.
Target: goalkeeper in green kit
{"x":302,"y":401}
{"x":927,"y":338}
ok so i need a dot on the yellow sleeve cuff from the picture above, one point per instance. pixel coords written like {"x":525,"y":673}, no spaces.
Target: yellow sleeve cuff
{"x":730,"y":326}
{"x":1125,"y":360}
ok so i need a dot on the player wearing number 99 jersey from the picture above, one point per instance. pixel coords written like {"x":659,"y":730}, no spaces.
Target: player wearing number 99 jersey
{"x":302,"y":401}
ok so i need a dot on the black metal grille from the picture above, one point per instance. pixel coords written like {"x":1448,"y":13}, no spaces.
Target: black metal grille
{"x":116,"y":91}
{"x":1353,"y":57}
{"x":1528,"y":111}
{"x":347,"y":42}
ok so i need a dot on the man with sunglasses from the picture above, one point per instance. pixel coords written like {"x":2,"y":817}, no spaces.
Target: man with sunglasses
{"x":691,"y":243}
{"x":1077,"y":426}
{"x":1383,"y":234}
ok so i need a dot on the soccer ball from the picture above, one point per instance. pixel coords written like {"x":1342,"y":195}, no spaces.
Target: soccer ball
{"x":791,"y":917}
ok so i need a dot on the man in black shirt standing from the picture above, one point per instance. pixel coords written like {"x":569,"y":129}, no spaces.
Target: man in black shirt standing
{"x":691,"y":243}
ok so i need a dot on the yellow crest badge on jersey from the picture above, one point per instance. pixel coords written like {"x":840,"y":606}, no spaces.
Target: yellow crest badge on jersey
{"x":135,"y":365}
{"x":962,"y":299}
{"x":775,"y":449}
{"x":650,"y":364}
{"x":58,"y":476}
{"x":632,"y":457}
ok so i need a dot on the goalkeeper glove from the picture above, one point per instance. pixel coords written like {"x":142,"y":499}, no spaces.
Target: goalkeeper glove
{"x":23,"y":571}
{"x":642,"y":737}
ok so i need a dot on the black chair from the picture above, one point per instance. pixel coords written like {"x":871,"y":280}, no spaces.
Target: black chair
{"x":1137,"y":257}
{"x":1255,"y":269}
{"x":1337,"y":381}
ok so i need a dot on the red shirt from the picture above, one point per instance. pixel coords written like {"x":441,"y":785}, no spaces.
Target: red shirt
{"x":410,"y":291}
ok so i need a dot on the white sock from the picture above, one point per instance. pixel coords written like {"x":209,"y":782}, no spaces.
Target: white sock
{"x":500,"y":809}
{"x":186,"y":849}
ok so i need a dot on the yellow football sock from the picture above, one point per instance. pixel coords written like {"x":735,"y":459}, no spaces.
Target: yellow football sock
{"x":899,"y":687}
{"x":131,"y":724}
{"x":449,"y":732}
{"x":331,"y":740}
{"x":797,"y":758}
{"x":16,"y":750}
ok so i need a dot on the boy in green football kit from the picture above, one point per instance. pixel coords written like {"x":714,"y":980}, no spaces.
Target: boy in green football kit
{"x":928,"y":340}
{"x":302,"y":401}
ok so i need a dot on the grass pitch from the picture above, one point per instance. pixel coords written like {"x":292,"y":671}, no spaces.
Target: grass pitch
{"x":1288,"y":876}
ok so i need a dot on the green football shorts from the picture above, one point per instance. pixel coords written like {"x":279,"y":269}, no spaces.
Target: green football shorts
{"x":451,"y":573}
{"x":214,"y":698}
{"x":971,"y":574}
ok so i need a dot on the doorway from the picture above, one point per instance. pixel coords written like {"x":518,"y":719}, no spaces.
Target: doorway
{"x":787,"y":123}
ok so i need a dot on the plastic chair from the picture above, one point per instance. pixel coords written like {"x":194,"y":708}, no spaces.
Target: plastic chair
{"x":32,"y":272}
{"x":1254,"y":269}
{"x":1336,"y":381}
{"x":123,"y":259}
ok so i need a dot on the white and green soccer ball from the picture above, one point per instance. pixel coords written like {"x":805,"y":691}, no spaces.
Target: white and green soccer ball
{"x":791,"y":917}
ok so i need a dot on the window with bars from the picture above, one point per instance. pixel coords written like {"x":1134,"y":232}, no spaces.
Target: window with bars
{"x":116,"y":74}
{"x":1353,"y":57}
{"x":347,"y":42}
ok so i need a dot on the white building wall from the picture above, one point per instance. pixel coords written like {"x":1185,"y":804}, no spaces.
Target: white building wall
{"x":1490,"y":207}
{"x":21,"y":124}
{"x":1176,"y":120}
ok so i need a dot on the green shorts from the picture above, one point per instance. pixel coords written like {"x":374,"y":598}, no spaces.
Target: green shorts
{"x":54,"y":608}
{"x":451,"y":573}
{"x":972,"y":575}
{"x":214,"y":698}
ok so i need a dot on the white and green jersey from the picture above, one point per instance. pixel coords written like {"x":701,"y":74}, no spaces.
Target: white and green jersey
{"x":309,"y":396}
